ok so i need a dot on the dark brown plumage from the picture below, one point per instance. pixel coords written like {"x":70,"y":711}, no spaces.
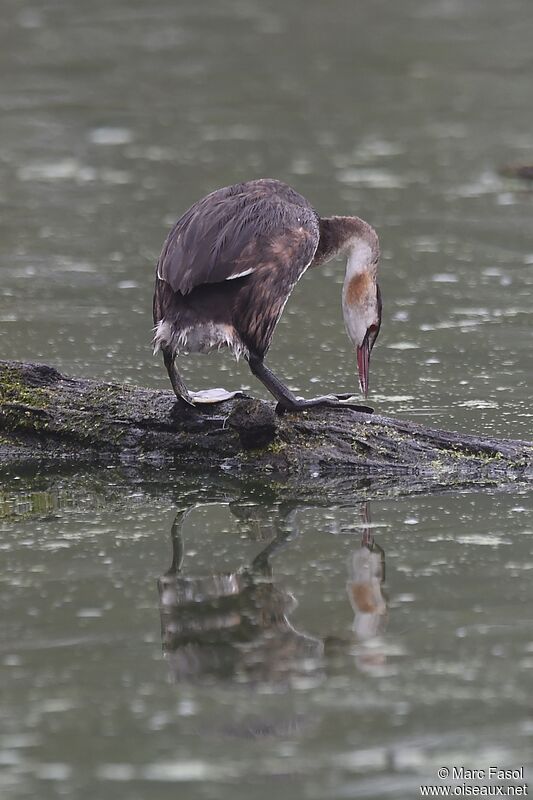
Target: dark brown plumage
{"x":228,"y":267}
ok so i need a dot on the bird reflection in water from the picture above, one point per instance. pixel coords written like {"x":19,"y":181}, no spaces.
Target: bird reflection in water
{"x":236,"y":626}
{"x":233,"y":625}
{"x":365,"y":590}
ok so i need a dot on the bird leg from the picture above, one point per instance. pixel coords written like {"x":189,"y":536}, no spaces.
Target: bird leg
{"x":180,"y":390}
{"x":287,"y":401}
{"x":206,"y":397}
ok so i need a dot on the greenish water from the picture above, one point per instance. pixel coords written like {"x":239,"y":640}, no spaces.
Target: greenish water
{"x":240,"y":677}
{"x":294,"y":664}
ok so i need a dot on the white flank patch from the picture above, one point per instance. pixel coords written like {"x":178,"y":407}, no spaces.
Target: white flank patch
{"x":240,"y":274}
{"x":197,"y":339}
{"x":162,"y":335}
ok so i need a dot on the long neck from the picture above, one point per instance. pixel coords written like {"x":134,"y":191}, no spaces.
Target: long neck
{"x":340,"y":234}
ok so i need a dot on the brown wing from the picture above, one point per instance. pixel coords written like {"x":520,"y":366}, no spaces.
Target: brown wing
{"x":227,"y":234}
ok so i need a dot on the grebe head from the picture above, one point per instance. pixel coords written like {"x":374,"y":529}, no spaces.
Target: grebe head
{"x":361,"y":298}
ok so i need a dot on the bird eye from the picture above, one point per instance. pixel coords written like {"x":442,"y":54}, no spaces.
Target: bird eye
{"x":372,"y":335}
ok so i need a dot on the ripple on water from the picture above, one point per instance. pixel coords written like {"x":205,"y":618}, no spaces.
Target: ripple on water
{"x":65,"y":169}
{"x":376,"y":147}
{"x":167,"y":771}
{"x":478,"y":404}
{"x":53,"y":771}
{"x":70,"y":169}
{"x":403,"y":346}
{"x":393,"y":398}
{"x":372,"y":178}
{"x":89,"y":613}
{"x":477,"y":538}
{"x":111,"y":136}
{"x":179,"y":771}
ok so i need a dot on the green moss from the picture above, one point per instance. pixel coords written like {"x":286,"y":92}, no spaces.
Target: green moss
{"x":105,"y":393}
{"x":461,"y":453}
{"x":276,"y":447}
{"x":20,"y":506}
{"x":13,"y":390}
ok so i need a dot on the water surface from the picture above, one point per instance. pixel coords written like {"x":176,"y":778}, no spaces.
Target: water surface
{"x":245,"y":674}
{"x":169,"y":637}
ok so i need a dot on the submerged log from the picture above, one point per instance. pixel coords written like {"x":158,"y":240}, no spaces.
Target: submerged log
{"x":523,"y":171}
{"x":46,"y":417}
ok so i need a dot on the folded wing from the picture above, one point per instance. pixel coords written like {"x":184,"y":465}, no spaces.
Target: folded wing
{"x":230,"y":233}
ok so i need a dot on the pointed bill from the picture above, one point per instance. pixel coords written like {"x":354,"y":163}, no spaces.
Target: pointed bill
{"x":363,"y":363}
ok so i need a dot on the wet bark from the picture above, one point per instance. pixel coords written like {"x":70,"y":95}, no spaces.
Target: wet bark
{"x":46,"y":417}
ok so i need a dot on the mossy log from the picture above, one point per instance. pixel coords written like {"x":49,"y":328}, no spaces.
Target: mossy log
{"x":46,"y":417}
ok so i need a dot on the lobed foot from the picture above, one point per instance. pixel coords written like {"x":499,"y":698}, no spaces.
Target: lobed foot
{"x":337,"y":401}
{"x":212,"y":396}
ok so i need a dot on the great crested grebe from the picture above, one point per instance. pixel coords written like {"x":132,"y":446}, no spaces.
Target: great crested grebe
{"x":227,"y":269}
